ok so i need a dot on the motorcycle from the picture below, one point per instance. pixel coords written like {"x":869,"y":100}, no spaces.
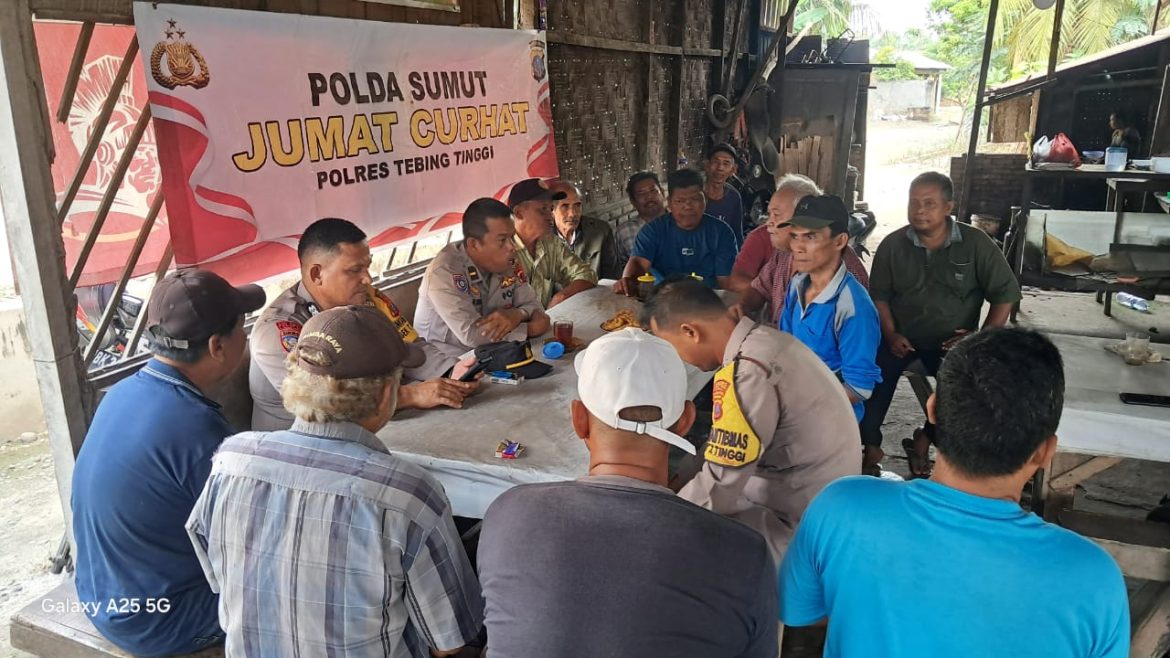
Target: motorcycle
{"x":862,"y":222}
{"x":91,"y":303}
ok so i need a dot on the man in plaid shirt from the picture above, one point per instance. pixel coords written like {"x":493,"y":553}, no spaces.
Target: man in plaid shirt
{"x":317,"y":539}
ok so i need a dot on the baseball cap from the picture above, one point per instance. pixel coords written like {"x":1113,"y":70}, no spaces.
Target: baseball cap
{"x":512,"y":356}
{"x":189,"y":306}
{"x":816,"y":212}
{"x":532,"y":189}
{"x":351,"y":342}
{"x":631,"y":368}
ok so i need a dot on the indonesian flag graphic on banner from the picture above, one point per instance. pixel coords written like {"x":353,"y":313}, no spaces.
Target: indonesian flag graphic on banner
{"x":266,"y":122}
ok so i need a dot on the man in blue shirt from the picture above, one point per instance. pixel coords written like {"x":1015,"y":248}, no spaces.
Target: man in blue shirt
{"x":952,"y":566}
{"x":723,"y":200}
{"x":684,"y":241}
{"x":828,"y":309}
{"x":144,"y":462}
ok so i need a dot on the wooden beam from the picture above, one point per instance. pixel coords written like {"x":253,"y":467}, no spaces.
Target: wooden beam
{"x":604,"y":43}
{"x":1083,"y":472}
{"x":79,"y":52}
{"x":1054,"y":45}
{"x":1160,"y":135}
{"x":969,"y":170}
{"x":1144,"y":562}
{"x":26,"y":191}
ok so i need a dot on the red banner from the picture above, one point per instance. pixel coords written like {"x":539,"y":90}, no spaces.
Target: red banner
{"x":55,"y":45}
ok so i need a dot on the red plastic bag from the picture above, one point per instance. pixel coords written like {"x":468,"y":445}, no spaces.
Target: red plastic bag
{"x":1064,"y":151}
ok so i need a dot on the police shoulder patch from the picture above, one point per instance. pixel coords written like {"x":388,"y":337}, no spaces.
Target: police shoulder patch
{"x":733,"y":442}
{"x":460,"y":282}
{"x":288,"y":332}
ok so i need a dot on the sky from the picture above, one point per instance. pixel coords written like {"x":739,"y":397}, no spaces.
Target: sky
{"x":900,"y":15}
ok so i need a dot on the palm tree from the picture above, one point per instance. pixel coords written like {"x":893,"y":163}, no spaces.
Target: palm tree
{"x":1089,"y":26}
{"x":832,"y":17}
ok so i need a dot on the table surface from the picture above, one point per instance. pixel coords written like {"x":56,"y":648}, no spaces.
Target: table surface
{"x":1095,"y":421}
{"x":1096,"y":171}
{"x":458,"y":445}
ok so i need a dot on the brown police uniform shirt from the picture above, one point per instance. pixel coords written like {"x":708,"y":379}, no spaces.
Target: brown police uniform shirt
{"x":455,"y":294}
{"x":275,"y":334}
{"x":806,"y":431}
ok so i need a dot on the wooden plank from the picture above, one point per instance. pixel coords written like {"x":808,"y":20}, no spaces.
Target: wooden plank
{"x":1144,"y":562}
{"x":605,"y":43}
{"x":1149,"y":608}
{"x":843,"y":139}
{"x":26,"y":192}
{"x":343,"y":8}
{"x":814,"y":162}
{"x":1128,"y":530}
{"x":1083,"y":472}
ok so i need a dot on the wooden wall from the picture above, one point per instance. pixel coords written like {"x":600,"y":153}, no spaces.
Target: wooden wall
{"x":485,"y":13}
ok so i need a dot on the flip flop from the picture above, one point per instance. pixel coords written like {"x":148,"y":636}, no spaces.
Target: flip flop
{"x":920,"y":467}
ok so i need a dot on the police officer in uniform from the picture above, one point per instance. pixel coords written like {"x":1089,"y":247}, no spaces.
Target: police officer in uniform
{"x":781,"y":425}
{"x":335,"y":263}
{"x":475,"y":290}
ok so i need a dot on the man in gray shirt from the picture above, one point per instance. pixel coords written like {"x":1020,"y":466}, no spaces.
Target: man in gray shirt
{"x":622,"y":566}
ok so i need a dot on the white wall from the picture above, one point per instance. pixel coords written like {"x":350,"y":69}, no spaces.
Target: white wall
{"x":899,"y":96}
{"x":6,"y":277}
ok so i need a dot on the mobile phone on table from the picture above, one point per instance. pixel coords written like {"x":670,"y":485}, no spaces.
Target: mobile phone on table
{"x":1145,"y":399}
{"x":479,"y":367}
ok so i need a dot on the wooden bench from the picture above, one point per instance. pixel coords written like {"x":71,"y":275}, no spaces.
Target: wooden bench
{"x":54,"y":626}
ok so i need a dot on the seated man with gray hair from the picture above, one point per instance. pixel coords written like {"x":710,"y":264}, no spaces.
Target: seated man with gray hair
{"x":317,"y":539}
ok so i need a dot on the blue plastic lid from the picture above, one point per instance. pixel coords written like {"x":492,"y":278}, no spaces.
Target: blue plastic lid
{"x":553,"y":350}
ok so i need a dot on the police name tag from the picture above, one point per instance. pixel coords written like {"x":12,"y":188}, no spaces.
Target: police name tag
{"x":733,"y":442}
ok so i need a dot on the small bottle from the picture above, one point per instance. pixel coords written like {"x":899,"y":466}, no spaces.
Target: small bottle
{"x":1133,"y":301}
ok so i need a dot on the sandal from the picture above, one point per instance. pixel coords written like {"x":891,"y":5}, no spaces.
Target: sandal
{"x":920,"y":466}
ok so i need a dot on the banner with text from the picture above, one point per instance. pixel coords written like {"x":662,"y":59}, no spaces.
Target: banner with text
{"x":266,"y":122}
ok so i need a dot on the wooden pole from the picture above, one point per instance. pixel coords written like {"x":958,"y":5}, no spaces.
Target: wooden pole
{"x":1054,"y":48}
{"x":74,"y":75}
{"x":977,"y":114}
{"x":26,"y":190}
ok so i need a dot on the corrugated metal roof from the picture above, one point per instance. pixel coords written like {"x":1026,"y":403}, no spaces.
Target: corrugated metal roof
{"x":1089,"y":60}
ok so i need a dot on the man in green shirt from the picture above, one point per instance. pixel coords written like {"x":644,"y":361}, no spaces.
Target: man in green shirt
{"x":588,"y":237}
{"x":552,"y":269}
{"x":929,"y":282}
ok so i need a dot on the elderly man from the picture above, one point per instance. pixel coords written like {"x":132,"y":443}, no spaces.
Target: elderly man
{"x":474,"y":291}
{"x":622,"y":566}
{"x":929,"y":284}
{"x":335,"y":271}
{"x":318,"y":540}
{"x":764,"y":265}
{"x":645,"y":193}
{"x":685,"y":241}
{"x":782,"y":427}
{"x":553,"y":270}
{"x":145,"y":459}
{"x":589,"y":238}
{"x":954,"y":561}
{"x":723,"y":200}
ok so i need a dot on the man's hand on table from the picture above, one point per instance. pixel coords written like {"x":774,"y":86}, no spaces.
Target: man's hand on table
{"x":619,"y":287}
{"x":899,"y":345}
{"x":556,"y":299}
{"x":960,"y":334}
{"x":439,"y":392}
{"x":498,"y":324}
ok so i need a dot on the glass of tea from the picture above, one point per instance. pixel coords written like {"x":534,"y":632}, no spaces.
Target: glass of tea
{"x":563,"y":332}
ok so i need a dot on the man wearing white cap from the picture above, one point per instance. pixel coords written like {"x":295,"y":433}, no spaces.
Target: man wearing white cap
{"x":604,"y":577}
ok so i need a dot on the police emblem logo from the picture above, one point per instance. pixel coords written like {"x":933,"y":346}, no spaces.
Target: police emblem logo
{"x":507,"y":282}
{"x":536,"y":55}
{"x":460,"y":282}
{"x":518,"y":270}
{"x":289,"y":333}
{"x":176,"y":62}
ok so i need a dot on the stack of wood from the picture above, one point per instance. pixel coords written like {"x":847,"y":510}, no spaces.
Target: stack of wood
{"x":812,"y":156}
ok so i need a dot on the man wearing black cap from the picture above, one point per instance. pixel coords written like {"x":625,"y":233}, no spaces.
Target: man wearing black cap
{"x":145,"y":459}
{"x":827,"y":308}
{"x":354,"y":550}
{"x":553,"y":270}
{"x":474,"y":292}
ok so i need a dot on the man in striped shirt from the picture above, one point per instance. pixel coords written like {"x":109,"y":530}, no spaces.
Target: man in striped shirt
{"x":320,"y":542}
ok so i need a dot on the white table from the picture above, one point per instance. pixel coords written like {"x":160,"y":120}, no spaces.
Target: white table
{"x":1095,"y":421}
{"x":458,"y":445}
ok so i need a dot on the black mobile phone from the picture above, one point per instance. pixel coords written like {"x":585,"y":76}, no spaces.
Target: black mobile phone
{"x":1146,"y":399}
{"x":479,"y":367}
